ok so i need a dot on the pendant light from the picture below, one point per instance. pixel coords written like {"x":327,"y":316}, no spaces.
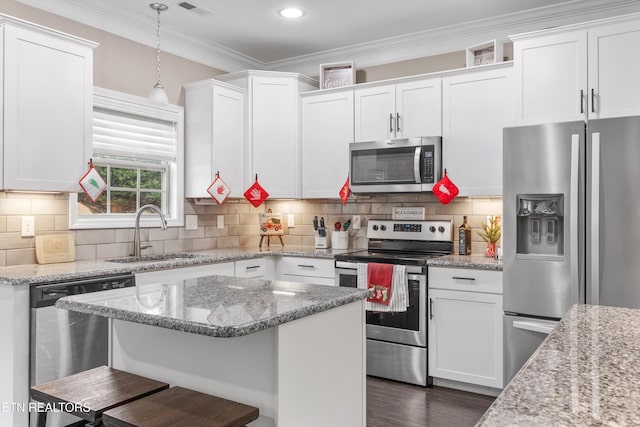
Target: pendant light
{"x":158,"y":94}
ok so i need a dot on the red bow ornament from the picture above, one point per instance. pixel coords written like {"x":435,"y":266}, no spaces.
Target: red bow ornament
{"x":445,"y":190}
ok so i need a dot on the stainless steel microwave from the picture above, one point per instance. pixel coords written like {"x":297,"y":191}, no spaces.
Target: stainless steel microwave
{"x":410,"y":165}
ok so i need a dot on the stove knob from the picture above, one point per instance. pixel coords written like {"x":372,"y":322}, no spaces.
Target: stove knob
{"x":441,"y":229}
{"x":432,"y":229}
{"x":375,"y":228}
{"x":383,"y":227}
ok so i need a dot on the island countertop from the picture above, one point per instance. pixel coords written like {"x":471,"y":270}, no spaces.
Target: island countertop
{"x":585,"y":373}
{"x":215,"y":306}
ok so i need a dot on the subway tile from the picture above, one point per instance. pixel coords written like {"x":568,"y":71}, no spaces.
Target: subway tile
{"x":61,"y":222}
{"x":231,"y":219}
{"x":302,"y":230}
{"x":93,"y":237}
{"x":216,"y":232}
{"x":403,"y":198}
{"x":356,"y":208}
{"x":15,"y":206}
{"x":381,"y":208}
{"x":216,"y":209}
{"x":229,"y":242}
{"x":3,"y":258}
{"x":44,"y":223}
{"x":206,"y":220}
{"x":328,"y":208}
{"x":3,"y":224}
{"x":160,"y":234}
{"x":204,"y":244}
{"x":14,"y":224}
{"x":239,"y":208}
{"x":288,"y":241}
{"x":182,"y":245}
{"x":86,"y":252}
{"x":254,"y":241}
{"x":126,"y":235}
{"x":15,"y":241}
{"x":112,"y":250}
{"x":191,"y":234}
{"x":454,"y":208}
{"x":250,"y":219}
{"x":307,"y":241}
{"x":49,"y":207}
{"x":21,"y":257}
{"x":242,"y":230}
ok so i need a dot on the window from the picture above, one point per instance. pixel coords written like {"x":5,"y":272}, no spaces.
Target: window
{"x":138,"y":150}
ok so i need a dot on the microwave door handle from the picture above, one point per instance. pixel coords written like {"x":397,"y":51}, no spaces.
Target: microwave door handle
{"x":416,"y":165}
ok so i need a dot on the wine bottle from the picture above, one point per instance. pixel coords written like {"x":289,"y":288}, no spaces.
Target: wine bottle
{"x":464,"y":238}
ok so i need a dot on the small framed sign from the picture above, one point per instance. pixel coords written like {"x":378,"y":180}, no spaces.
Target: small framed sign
{"x":484,"y":53}
{"x":337,"y":74}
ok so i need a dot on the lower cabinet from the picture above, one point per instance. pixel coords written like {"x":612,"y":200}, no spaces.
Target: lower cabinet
{"x":255,"y":268}
{"x":316,"y":271}
{"x":184,"y":273}
{"x":465,"y":326}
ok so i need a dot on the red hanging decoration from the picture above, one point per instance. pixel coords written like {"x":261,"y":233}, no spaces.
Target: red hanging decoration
{"x":219,"y":190}
{"x":445,"y":190}
{"x":345,"y":192}
{"x":256,"y":194}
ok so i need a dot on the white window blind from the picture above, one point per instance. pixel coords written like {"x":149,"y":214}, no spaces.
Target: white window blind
{"x":128,"y":135}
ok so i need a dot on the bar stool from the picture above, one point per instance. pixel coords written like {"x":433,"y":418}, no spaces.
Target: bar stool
{"x":180,"y":407}
{"x":89,"y":393}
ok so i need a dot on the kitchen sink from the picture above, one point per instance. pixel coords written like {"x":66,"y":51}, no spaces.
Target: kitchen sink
{"x":154,"y":258}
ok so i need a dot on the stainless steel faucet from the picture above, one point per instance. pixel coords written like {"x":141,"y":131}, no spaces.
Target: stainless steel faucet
{"x":136,"y":237}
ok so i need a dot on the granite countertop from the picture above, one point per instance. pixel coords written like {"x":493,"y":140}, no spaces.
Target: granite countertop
{"x":478,"y":262}
{"x":584,"y":374}
{"x":46,"y":273}
{"x":215,"y":306}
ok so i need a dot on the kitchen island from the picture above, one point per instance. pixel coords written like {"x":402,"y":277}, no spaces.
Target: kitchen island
{"x":295,"y":351}
{"x":585,"y":373}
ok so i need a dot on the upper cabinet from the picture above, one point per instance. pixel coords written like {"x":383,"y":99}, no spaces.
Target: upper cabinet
{"x":273,"y":129}
{"x":477,"y":105}
{"x":402,"y":110}
{"x":47,"y":94}
{"x":590,"y":72}
{"x":327,"y":130}
{"x":215,"y":129}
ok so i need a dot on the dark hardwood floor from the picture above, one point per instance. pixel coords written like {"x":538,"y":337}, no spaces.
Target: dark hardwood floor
{"x":395,"y":404}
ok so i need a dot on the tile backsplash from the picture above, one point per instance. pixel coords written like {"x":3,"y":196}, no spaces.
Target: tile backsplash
{"x":51,"y":213}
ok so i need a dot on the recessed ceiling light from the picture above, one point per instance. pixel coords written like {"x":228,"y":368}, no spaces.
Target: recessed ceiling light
{"x":291,"y":12}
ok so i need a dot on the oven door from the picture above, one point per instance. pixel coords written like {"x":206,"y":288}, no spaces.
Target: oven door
{"x":409,"y":327}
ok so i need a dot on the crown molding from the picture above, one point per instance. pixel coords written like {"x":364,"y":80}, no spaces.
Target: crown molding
{"x":411,"y":46}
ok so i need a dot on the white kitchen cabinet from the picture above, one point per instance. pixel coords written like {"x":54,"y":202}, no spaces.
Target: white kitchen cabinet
{"x":401,"y":110}
{"x":273,"y":128}
{"x":465,"y":326}
{"x":215,"y":137}
{"x":586,"y":72}
{"x":476,"y":106}
{"x":255,"y":268}
{"x":327,"y":130}
{"x":47,"y":93}
{"x":317,"y":271}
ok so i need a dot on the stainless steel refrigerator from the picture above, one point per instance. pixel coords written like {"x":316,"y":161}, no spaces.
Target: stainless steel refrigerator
{"x":571,"y":230}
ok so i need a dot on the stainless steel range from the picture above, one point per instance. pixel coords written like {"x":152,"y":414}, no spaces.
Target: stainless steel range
{"x":397,"y":342}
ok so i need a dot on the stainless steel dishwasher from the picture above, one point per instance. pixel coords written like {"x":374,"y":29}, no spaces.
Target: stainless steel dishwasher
{"x":65,"y":342}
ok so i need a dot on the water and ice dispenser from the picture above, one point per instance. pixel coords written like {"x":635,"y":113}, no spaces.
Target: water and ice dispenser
{"x":540,"y":224}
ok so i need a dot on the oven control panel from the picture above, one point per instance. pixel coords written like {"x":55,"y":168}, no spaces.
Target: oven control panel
{"x":410,"y":230}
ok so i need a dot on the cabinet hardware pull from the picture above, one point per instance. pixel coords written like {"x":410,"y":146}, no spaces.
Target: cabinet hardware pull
{"x":463,"y":278}
{"x":430,"y":308}
{"x":390,"y":122}
{"x":306,"y":266}
{"x":593,"y":100}
{"x":581,"y":101}
{"x":397,"y":122}
{"x":252,"y":267}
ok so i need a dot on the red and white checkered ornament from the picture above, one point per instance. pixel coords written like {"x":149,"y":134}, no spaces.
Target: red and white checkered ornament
{"x":256,"y":194}
{"x":219,"y":190}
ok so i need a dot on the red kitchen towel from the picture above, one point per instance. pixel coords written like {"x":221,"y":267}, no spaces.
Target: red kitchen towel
{"x":379,"y":278}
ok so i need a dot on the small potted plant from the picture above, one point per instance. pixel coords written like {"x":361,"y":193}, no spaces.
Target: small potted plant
{"x":491,"y":234}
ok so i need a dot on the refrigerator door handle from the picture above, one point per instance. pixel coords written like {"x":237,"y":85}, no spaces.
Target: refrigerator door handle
{"x":531,"y":325}
{"x":595,"y":220}
{"x":573,"y":207}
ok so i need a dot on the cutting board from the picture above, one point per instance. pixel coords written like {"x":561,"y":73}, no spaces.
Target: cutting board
{"x":55,"y":248}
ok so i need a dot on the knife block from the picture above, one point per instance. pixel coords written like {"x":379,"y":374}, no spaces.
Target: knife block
{"x":322,"y":238}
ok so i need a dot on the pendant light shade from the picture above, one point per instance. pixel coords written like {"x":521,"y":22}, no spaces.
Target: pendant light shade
{"x":158,"y":94}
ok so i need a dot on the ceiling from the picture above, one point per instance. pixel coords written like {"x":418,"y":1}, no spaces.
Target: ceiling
{"x":240,"y":34}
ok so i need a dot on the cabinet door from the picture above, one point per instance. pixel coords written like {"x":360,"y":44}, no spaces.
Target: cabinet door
{"x":274,"y":139}
{"x":327,"y":130}
{"x":465,"y":337}
{"x":375,"y":113}
{"x":48,"y":98}
{"x":614,"y":70}
{"x":419,"y":108}
{"x":228,"y":139}
{"x":476,"y":107}
{"x":551,"y":78}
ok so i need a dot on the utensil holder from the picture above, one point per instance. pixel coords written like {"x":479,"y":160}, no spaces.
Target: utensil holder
{"x":340,"y":240}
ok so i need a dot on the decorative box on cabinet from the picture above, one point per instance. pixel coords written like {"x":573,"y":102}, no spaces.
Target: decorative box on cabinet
{"x":465,"y":326}
{"x":401,"y":110}
{"x":47,"y":94}
{"x":215,"y":137}
{"x":580,"y":72}
{"x":476,"y":106}
{"x":327,"y":130}
{"x":273,"y":130}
